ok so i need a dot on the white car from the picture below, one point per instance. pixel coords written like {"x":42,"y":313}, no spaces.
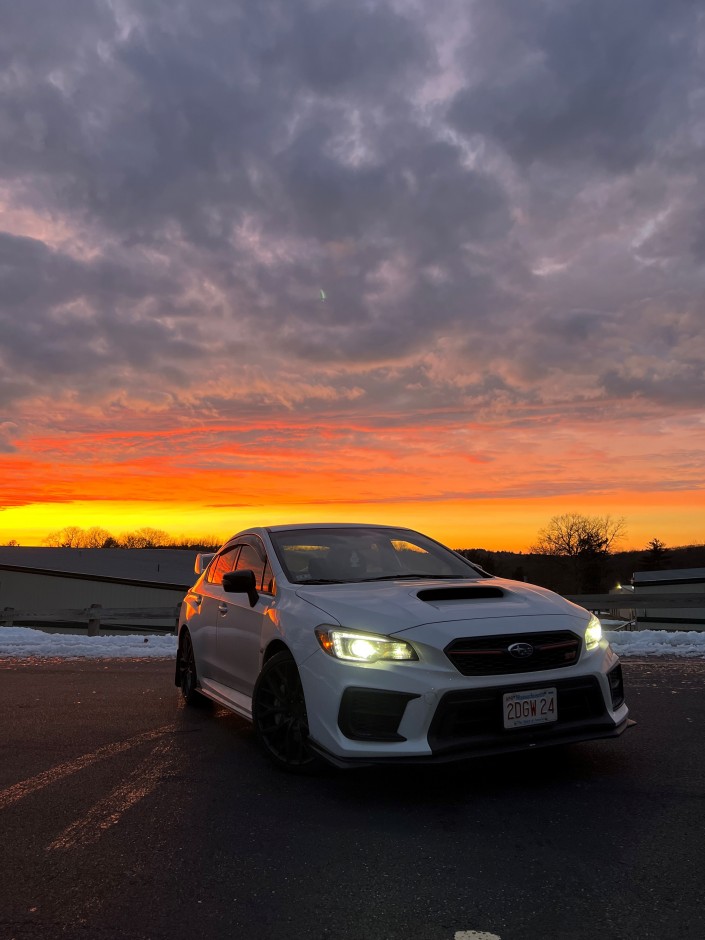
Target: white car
{"x":364,"y":644}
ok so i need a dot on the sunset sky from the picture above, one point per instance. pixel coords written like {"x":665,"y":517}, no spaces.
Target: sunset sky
{"x":502,"y":201}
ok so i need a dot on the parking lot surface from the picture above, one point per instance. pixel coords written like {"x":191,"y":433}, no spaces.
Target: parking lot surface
{"x":126,"y":815}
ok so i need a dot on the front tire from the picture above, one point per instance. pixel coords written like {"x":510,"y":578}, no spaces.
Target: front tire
{"x":279,"y":716}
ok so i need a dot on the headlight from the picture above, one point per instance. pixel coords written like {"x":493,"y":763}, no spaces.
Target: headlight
{"x":593,"y":633}
{"x":363,"y":647}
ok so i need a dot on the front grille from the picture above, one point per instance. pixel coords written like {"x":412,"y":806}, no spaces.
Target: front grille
{"x":473,"y":718}
{"x":490,"y":656}
{"x":372,"y":714}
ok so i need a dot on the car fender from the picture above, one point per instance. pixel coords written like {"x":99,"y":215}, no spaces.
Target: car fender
{"x":292,"y":621}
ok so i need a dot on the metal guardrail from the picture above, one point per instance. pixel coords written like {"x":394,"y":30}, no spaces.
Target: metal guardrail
{"x":639,"y":604}
{"x":636,"y":599}
{"x":94,"y":615}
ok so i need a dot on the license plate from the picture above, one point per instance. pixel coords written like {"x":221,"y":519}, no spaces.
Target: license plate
{"x":535,"y":707}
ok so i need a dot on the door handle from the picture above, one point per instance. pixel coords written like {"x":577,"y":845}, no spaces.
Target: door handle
{"x":223,"y":608}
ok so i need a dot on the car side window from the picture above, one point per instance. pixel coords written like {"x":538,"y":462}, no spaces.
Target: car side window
{"x":252,"y":559}
{"x":267,"y":579}
{"x":221,"y":564}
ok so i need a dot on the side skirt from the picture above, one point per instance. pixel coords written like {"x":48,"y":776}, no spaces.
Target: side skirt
{"x":227,"y":697}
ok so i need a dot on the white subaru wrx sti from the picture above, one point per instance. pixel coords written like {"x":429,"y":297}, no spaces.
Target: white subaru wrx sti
{"x":365,"y":644}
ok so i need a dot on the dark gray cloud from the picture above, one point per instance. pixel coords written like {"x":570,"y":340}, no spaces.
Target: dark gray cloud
{"x":339,"y":48}
{"x":674,"y":384}
{"x":587,"y":81}
{"x":66,"y":319}
{"x":501,"y":200}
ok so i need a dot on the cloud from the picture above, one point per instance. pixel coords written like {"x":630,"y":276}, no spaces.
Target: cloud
{"x":339,"y":48}
{"x":8,"y":430}
{"x":583,"y":82}
{"x":66,"y":317}
{"x":501,"y":200}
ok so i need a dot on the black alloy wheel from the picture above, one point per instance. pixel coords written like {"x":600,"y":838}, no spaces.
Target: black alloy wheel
{"x":279,"y":715}
{"x":189,"y":677}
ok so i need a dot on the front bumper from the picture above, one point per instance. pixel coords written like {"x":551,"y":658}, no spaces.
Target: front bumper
{"x":432,"y":714}
{"x":467,"y":753}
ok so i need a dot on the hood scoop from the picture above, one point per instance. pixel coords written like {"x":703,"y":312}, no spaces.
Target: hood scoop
{"x":459,"y":593}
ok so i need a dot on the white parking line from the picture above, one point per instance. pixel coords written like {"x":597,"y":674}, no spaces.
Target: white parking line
{"x":108,"y":811}
{"x":475,"y":935}
{"x":25,"y":787}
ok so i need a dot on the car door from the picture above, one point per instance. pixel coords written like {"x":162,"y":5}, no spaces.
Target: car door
{"x":206,"y":599}
{"x":239,"y":631}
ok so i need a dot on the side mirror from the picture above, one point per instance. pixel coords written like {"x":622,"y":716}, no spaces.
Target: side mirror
{"x":202,"y":562}
{"x":241,"y":582}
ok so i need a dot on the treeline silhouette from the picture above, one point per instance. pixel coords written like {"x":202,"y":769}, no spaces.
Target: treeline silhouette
{"x":552,"y":571}
{"x":573,"y":554}
{"x":145,"y":537}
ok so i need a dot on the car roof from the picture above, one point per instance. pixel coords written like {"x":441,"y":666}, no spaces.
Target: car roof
{"x":334,"y":525}
{"x":258,"y":530}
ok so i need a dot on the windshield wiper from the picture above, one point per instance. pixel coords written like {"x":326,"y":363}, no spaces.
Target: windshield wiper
{"x":388,"y":577}
{"x":416,"y":577}
{"x":321,"y":581}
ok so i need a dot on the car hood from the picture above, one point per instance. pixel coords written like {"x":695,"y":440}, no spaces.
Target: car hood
{"x":395,"y":606}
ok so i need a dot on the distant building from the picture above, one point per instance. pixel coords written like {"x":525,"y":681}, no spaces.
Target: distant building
{"x":677,"y":581}
{"x":40,"y":579}
{"x":625,"y":613}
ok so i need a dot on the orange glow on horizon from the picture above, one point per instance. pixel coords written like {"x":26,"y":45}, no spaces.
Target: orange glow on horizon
{"x":486,"y":485}
{"x":496,"y":525}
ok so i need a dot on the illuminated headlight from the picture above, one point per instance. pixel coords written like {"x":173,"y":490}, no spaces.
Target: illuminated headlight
{"x":593,"y":633}
{"x":363,"y":647}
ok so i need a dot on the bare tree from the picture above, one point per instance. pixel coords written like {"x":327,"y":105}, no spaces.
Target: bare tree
{"x":572,"y":533}
{"x":74,"y":536}
{"x":145,"y":538}
{"x":584,"y":542}
{"x":95,"y":537}
{"x":202,"y":543}
{"x":68,"y":537}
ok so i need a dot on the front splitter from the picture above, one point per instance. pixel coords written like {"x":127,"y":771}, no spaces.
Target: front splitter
{"x":465,"y":753}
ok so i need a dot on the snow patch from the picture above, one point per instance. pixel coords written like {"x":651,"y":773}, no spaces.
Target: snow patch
{"x":658,"y":643}
{"x":27,"y":642}
{"x":475,"y":935}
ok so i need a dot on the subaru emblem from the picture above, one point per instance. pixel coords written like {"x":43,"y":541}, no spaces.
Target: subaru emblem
{"x":521,"y":650}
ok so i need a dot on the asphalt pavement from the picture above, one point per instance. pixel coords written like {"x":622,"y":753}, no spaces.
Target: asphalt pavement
{"x":124,"y":814}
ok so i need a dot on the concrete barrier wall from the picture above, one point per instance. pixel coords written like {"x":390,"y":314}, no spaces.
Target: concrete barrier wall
{"x":33,"y":590}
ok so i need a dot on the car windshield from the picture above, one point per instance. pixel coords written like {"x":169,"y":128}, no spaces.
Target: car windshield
{"x":345,"y":555}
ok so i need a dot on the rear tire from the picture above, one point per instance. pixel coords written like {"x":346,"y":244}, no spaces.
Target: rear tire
{"x":279,"y":716}
{"x":187,"y":668}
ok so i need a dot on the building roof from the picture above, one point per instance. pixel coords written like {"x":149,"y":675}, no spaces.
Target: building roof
{"x":674,"y":576}
{"x":155,"y":565}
